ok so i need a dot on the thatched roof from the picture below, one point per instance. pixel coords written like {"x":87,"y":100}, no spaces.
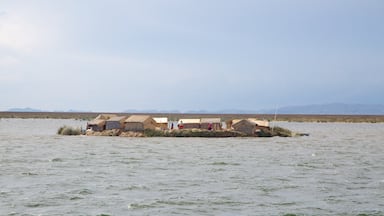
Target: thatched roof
{"x":211,"y":120}
{"x":242,"y":121}
{"x":190,"y":121}
{"x":253,"y":121}
{"x":161,"y":120}
{"x":117,"y":118}
{"x":105,"y":116}
{"x":137,"y":118}
{"x":97,"y":122}
{"x":235,"y":121}
{"x":263,"y":123}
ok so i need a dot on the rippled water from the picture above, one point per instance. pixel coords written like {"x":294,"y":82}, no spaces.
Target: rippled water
{"x":337,"y":170}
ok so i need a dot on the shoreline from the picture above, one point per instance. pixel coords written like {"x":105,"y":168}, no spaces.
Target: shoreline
{"x":203,"y":133}
{"x":174,"y":116}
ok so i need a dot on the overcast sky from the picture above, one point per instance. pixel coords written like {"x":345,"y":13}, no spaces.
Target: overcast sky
{"x":114,"y":55}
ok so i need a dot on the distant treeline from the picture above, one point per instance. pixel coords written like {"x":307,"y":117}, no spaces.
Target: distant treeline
{"x":175,"y":116}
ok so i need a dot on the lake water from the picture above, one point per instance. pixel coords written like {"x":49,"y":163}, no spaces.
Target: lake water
{"x":337,"y":170}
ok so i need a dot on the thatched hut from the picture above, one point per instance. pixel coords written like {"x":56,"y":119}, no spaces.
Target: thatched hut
{"x":99,"y":123}
{"x":139,"y":123}
{"x":96,"y":125}
{"x":189,"y":123}
{"x":116,"y":122}
{"x":248,"y":126}
{"x":244,"y":125}
{"x":162,"y":122}
{"x":215,"y":123}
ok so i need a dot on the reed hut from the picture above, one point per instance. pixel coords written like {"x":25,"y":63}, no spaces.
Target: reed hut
{"x":214,"y":122}
{"x":248,"y":126}
{"x":244,"y":125}
{"x":99,"y":123}
{"x":189,"y":123}
{"x":139,"y":123}
{"x":116,"y":122}
{"x":162,"y":122}
{"x":96,"y":125}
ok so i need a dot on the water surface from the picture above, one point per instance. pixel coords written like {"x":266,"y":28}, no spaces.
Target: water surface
{"x":337,"y":170}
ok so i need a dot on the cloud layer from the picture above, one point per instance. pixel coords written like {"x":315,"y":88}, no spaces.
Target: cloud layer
{"x":189,"y":55}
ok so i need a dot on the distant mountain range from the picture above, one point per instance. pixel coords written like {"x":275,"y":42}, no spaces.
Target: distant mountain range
{"x":320,"y":109}
{"x":26,"y":109}
{"x":329,"y":109}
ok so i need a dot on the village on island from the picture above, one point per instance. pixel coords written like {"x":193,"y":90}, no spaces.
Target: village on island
{"x":148,"y":126}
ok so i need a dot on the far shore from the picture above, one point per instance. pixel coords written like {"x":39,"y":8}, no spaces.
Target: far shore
{"x":87,"y":116}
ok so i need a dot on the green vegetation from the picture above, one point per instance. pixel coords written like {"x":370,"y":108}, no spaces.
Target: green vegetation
{"x":279,"y":131}
{"x":67,"y":130}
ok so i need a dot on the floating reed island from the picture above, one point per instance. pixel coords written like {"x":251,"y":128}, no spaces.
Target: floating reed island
{"x":148,"y":126}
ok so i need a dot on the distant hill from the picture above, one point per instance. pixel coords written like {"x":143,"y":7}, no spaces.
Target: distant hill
{"x":26,"y":109}
{"x":331,"y":109}
{"x":320,"y":109}
{"x":150,"y":111}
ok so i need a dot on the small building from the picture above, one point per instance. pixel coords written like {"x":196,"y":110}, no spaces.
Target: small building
{"x":116,"y":122}
{"x":96,"y":125}
{"x":189,"y":123}
{"x":248,"y":126}
{"x":139,"y":123}
{"x":214,"y":122}
{"x":244,"y":125}
{"x":99,"y":123}
{"x":162,"y":122}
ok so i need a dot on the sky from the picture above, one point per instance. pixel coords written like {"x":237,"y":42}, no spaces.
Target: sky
{"x":117,"y":55}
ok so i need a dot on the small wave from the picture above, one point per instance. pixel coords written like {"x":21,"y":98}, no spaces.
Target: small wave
{"x":33,"y":205}
{"x":82,"y":192}
{"x":286,"y":204}
{"x":140,"y":206}
{"x":224,"y":164}
{"x":75,"y":198}
{"x":370,"y":214}
{"x":175,"y":202}
{"x":85,"y":192}
{"x":29,"y":174}
{"x":136,"y":187}
{"x":307,"y":165}
{"x":217,"y":170}
{"x":57,"y":160}
{"x":157,"y":203}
